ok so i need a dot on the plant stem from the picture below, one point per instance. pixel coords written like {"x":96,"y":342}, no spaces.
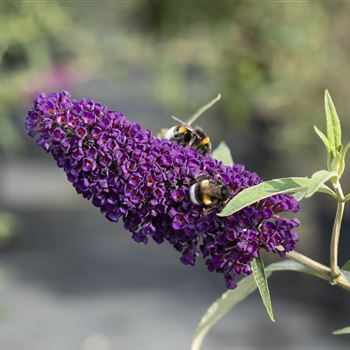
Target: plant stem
{"x":331,"y":274}
{"x":335,"y":272}
{"x":321,"y":270}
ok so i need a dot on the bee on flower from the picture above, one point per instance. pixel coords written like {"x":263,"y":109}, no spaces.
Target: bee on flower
{"x":152,"y":185}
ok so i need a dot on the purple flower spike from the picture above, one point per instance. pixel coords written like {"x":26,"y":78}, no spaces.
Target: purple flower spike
{"x":178,"y":195}
{"x":58,"y":134}
{"x":88,"y":164}
{"x":132,"y":175}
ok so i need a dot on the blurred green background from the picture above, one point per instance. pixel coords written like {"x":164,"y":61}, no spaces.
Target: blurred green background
{"x":270,"y":60}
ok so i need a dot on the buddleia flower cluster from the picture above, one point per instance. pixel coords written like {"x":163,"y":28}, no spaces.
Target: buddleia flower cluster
{"x":143,"y":180}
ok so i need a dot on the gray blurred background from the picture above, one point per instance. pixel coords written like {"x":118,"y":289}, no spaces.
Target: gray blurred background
{"x":71,"y":280}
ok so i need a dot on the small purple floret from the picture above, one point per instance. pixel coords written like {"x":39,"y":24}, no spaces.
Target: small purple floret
{"x":143,"y":180}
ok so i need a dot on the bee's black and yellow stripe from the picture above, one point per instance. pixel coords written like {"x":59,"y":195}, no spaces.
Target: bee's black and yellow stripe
{"x":182,"y":129}
{"x":209,"y":192}
{"x":199,"y":193}
{"x":191,"y":137}
{"x":205,"y":141}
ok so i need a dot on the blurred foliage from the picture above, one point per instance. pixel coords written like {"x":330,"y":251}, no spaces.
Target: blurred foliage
{"x":271,"y":61}
{"x":9,"y":225}
{"x":37,"y":53}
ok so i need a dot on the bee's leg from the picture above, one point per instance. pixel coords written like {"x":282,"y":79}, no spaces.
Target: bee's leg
{"x":190,"y":144}
{"x":194,"y":141}
{"x":208,"y":211}
{"x":221,"y":205}
{"x":204,"y":149}
{"x":201,"y":150}
{"x":216,"y":205}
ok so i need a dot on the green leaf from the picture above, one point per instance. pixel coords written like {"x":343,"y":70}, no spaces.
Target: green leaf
{"x":333,"y":123}
{"x":317,"y":180}
{"x":341,"y":161}
{"x":221,"y":307}
{"x":203,"y":109}
{"x":342,"y":331}
{"x":299,"y":195}
{"x":346,"y":274}
{"x":261,"y":282}
{"x":223,"y":153}
{"x":323,"y":137}
{"x":346,"y":266}
{"x":232,"y":298}
{"x":267,"y":189}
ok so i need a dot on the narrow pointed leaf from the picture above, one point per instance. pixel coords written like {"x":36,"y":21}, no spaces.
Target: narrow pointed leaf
{"x":267,"y":189}
{"x":346,"y":266}
{"x":342,"y":331}
{"x":223,"y":153}
{"x":323,"y":137}
{"x":261,"y":281}
{"x":345,"y":149}
{"x":231,"y":298}
{"x":317,"y":180}
{"x":221,"y":307}
{"x":333,"y":123}
{"x":203,"y":109}
{"x":343,"y":153}
{"x":299,"y":195}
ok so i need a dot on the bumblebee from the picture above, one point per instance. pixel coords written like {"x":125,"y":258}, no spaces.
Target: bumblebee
{"x":186,"y":135}
{"x":209,"y":193}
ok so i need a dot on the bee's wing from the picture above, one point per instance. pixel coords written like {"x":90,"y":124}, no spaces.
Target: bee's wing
{"x":179,"y":120}
{"x":188,"y":126}
{"x":214,"y":190}
{"x":202,"y":109}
